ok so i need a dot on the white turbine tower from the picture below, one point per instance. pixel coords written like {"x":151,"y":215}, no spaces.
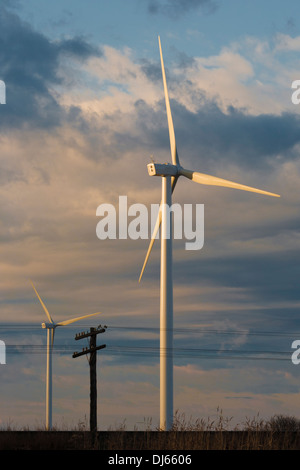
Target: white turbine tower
{"x":170,"y":174}
{"x":50,"y":339}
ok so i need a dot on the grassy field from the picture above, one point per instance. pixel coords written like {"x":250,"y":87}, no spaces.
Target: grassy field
{"x":149,"y":440}
{"x":279,"y":433}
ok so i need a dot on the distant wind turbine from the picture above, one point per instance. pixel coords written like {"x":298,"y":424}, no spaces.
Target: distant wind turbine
{"x":170,"y":174}
{"x":50,"y":339}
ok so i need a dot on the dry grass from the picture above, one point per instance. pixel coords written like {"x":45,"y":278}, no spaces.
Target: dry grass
{"x":279,"y":433}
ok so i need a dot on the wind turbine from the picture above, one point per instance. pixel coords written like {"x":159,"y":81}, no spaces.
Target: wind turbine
{"x":50,"y":339}
{"x":170,"y":174}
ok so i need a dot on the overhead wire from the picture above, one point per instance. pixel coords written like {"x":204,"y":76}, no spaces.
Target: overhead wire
{"x":149,"y":351}
{"x":155,"y":352}
{"x":192,"y":329}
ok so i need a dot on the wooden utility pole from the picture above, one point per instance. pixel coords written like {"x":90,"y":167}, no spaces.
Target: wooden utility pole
{"x":92,"y":350}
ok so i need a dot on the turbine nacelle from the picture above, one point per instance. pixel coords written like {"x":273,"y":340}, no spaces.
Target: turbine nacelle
{"x":162,"y":169}
{"x":48,"y":325}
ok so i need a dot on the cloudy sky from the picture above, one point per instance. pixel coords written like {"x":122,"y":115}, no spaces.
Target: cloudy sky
{"x":84,"y":115}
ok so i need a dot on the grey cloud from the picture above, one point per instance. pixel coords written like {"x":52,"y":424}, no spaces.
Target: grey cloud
{"x":177,"y":8}
{"x":272,"y":294}
{"x":211,"y":135}
{"x":10,"y":3}
{"x":29,"y":65}
{"x":268,"y":275}
{"x":78,"y":47}
{"x":249,"y":141}
{"x":151,"y":70}
{"x":208,"y":138}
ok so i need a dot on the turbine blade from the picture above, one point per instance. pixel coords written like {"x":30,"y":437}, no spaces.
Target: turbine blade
{"x":201,"y":178}
{"x":155,"y":230}
{"x":72,"y":320}
{"x":174,"y":155}
{"x":42,"y":303}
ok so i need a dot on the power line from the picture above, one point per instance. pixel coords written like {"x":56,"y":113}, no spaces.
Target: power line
{"x":212,"y":331}
{"x":178,"y":330}
{"x":155,"y":351}
{"x":148,"y":351}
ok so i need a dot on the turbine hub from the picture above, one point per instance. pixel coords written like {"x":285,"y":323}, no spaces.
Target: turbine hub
{"x":160,"y":169}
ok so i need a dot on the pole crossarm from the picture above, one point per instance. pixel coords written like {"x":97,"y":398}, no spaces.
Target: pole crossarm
{"x":88,"y":350}
{"x":92,"y":332}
